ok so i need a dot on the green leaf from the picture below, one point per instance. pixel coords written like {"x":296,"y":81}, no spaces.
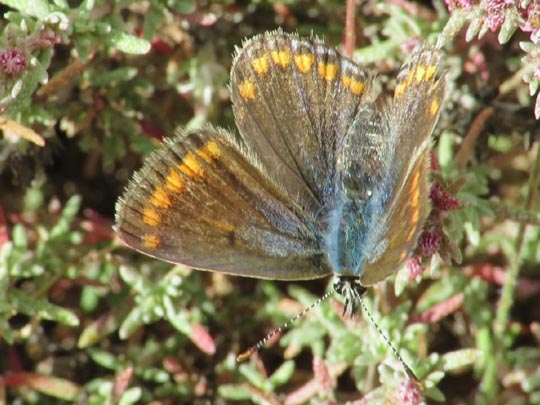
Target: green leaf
{"x":131,"y":396}
{"x":461,"y":358}
{"x":131,"y":323}
{"x":110,"y":77}
{"x":41,"y":308}
{"x":476,"y":23}
{"x":345,"y":347}
{"x":441,"y":291}
{"x":128,"y":43}
{"x":283,"y":374}
{"x":402,"y":280}
{"x":66,"y":218}
{"x":178,"y":317}
{"x":34,"y":8}
{"x":153,"y":19}
{"x":435,"y":394}
{"x":253,"y":376}
{"x":377,"y":52}
{"x":155,"y":375}
{"x":509,"y":25}
{"x":234,"y":392}
{"x":104,"y":359}
{"x":134,"y":279}
{"x":19,"y":237}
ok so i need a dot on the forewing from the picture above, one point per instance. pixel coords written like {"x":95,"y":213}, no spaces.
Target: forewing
{"x":203,"y":201}
{"x":293,"y":100}
{"x":410,"y":118}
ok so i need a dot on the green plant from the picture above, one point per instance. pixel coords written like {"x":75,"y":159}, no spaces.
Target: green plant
{"x":86,"y":91}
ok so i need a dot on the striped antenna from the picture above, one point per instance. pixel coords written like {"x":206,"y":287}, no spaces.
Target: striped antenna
{"x":287,"y":325}
{"x":259,"y":345}
{"x":407,"y":369}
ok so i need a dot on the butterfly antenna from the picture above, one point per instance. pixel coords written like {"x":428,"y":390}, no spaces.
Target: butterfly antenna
{"x":407,"y":369}
{"x":258,"y":346}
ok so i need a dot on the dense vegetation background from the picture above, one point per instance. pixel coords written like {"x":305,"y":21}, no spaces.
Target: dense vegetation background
{"x":87,"y":89}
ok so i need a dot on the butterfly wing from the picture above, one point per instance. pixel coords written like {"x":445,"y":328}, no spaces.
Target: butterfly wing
{"x":202,"y":200}
{"x":293,"y":99}
{"x":408,"y":121}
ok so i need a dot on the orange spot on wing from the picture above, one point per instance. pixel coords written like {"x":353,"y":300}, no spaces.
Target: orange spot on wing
{"x":410,"y":234}
{"x":209,"y":151}
{"x":414,"y":202}
{"x":327,"y":71}
{"x":415,"y":195}
{"x":420,"y":73}
{"x":151,"y":216}
{"x":357,"y":87}
{"x":430,"y":72}
{"x":281,"y":58}
{"x":174,"y":181}
{"x":213,"y":148}
{"x":414,"y":186}
{"x":400,"y":89}
{"x":409,"y":79}
{"x":304,"y":61}
{"x":191,"y":166}
{"x":261,"y":65}
{"x":151,"y":240}
{"x":434,"y":107}
{"x":247,"y":90}
{"x":160,"y":198}
{"x":415,"y":215}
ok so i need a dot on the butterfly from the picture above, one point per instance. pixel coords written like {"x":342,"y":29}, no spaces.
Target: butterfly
{"x":326,"y":176}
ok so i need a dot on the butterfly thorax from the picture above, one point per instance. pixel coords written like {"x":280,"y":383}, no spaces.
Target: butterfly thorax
{"x":357,"y":200}
{"x":345,"y":240}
